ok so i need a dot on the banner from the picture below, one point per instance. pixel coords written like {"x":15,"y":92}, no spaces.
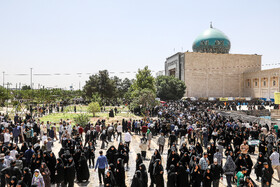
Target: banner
{"x":277,"y":97}
{"x":223,"y":99}
{"x":253,"y":142}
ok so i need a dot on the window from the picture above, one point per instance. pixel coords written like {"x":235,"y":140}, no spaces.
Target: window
{"x":256,"y":83}
{"x":264,"y":83}
{"x":248,"y":84}
{"x":274,"y":83}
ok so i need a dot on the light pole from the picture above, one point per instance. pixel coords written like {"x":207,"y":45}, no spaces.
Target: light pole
{"x":3,"y":79}
{"x":7,"y":109}
{"x":31,"y":78}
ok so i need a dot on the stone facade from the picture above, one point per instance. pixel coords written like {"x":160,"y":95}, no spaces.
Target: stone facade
{"x":212,"y":75}
{"x":262,"y":84}
{"x":174,"y":65}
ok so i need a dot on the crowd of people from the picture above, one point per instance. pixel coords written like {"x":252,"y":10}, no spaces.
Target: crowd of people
{"x":196,"y":146}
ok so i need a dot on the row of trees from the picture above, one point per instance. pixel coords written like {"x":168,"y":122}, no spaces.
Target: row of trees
{"x":140,"y":92}
{"x":103,"y":89}
{"x":38,"y":96}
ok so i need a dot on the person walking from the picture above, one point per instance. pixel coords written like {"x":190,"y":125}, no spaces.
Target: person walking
{"x":143,"y":146}
{"x":274,"y":157}
{"x":267,"y":173}
{"x":203,"y":162}
{"x":217,"y":172}
{"x":229,"y":169}
{"x":127,"y":137}
{"x":161,"y":142}
{"x":119,"y":131}
{"x":101,"y":164}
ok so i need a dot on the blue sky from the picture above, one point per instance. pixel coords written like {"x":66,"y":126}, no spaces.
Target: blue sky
{"x":84,"y":36}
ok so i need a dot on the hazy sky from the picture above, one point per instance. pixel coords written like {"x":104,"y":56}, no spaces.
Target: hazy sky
{"x":85,"y":36}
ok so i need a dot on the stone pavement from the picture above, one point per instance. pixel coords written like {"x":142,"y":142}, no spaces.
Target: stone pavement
{"x":134,"y":149}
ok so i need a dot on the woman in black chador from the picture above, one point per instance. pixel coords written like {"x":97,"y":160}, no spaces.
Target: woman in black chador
{"x":144,"y":174}
{"x":158,"y":173}
{"x":27,"y":176}
{"x":120,"y":173}
{"x":82,"y":169}
{"x":137,"y":180}
{"x":51,"y":165}
{"x":182,"y":177}
{"x":59,"y":172}
{"x":109,"y":179}
{"x":172,"y":177}
{"x":138,"y":161}
{"x":259,"y":165}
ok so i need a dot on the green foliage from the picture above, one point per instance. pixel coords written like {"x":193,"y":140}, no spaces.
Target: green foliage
{"x":100,"y":83}
{"x":46,"y":96}
{"x":4,"y":95}
{"x":110,"y":90}
{"x":121,"y":86}
{"x":25,"y":87}
{"x":144,"y":98}
{"x":170,"y":88}
{"x":94,"y":107}
{"x":96,"y":98}
{"x":82,"y":119}
{"x":142,"y":92}
{"x":144,"y":79}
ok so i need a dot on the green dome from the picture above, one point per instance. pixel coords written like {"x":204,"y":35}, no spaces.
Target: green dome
{"x":211,"y":41}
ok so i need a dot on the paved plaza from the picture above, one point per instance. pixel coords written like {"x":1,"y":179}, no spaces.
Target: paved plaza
{"x":134,"y":149}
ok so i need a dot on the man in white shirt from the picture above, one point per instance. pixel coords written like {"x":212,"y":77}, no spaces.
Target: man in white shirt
{"x":7,"y":137}
{"x":127,"y":138}
{"x":14,"y":152}
{"x":119,"y":130}
{"x":274,"y":157}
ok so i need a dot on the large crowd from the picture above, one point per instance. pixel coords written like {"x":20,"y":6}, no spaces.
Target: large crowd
{"x":202,"y":147}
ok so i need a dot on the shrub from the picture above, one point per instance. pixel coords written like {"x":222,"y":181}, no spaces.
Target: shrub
{"x":94,"y":107}
{"x":82,"y":119}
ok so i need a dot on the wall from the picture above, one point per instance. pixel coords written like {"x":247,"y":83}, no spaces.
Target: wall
{"x":261,"y":84}
{"x":218,"y":75}
{"x":176,"y":62}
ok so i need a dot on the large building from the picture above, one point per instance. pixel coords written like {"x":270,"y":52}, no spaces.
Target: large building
{"x":211,"y":71}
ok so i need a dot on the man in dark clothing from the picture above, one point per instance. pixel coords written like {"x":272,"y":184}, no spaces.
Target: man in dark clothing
{"x":267,"y":173}
{"x":217,"y":172}
{"x":28,"y":154}
{"x":172,"y":139}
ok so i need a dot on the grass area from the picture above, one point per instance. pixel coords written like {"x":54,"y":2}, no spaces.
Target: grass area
{"x":55,"y":117}
{"x":83,"y":108}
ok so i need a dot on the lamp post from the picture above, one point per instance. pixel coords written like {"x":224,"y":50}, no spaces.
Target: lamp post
{"x":3,"y":79}
{"x":8,"y":83}
{"x":31,"y":78}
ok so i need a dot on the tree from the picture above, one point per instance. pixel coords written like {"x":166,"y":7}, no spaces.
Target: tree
{"x":144,"y":79}
{"x":93,"y":107}
{"x":82,"y":119}
{"x":25,"y":87}
{"x":126,"y":83}
{"x":4,"y":95}
{"x":100,"y":83}
{"x":170,"y":88}
{"x":143,"y":99}
{"x":142,"y":92}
